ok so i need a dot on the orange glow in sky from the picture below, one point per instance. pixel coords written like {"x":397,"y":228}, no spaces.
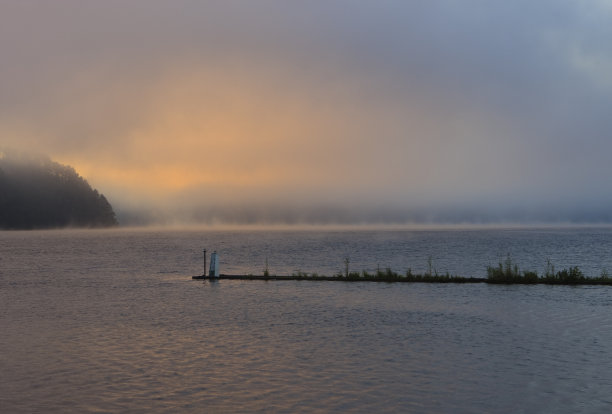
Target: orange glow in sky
{"x":414,"y":105}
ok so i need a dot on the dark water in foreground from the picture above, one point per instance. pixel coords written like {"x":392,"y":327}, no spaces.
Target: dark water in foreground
{"x":111,"y":322}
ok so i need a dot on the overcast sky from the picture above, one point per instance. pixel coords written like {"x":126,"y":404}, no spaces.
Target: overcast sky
{"x":323,"y":111}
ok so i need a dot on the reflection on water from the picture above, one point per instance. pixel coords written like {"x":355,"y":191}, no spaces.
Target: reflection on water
{"x":91,"y":325}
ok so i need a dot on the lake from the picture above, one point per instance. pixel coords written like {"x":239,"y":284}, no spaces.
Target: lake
{"x":110,"y":321}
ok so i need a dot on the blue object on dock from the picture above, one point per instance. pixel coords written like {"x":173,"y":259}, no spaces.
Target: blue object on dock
{"x":214,"y":265}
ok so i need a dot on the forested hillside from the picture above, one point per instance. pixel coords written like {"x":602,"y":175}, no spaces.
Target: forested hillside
{"x":36,"y":193}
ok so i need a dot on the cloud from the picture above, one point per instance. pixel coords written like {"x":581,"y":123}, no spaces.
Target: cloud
{"x":394,"y":109}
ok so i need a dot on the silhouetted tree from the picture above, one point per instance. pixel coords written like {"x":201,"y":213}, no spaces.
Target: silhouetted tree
{"x":36,"y":192}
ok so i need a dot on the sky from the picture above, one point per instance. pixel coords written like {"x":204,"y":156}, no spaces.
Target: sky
{"x":330,"y":111}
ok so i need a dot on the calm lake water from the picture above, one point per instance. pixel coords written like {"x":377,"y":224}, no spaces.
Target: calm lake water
{"x":110,"y":321}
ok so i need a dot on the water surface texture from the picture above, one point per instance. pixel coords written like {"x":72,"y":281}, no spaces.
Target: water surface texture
{"x":110,"y":321}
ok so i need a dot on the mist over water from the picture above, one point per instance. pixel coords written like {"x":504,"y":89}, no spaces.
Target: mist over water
{"x":111,"y":321}
{"x":251,"y":214}
{"x":319,"y":112}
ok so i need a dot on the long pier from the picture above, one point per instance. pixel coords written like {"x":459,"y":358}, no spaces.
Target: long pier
{"x":263,"y":277}
{"x":573,"y":276}
{"x":384,"y":278}
{"x":373,"y":278}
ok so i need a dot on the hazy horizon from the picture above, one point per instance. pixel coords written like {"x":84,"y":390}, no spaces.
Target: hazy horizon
{"x":334,"y":112}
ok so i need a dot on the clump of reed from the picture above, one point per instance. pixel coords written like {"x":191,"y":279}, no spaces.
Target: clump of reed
{"x":390,"y":276}
{"x":506,"y":272}
{"x":266,"y":271}
{"x":509,"y":273}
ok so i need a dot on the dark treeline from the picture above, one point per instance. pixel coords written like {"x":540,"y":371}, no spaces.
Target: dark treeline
{"x":37,"y":193}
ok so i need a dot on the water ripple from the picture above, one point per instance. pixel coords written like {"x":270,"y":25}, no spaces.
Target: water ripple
{"x":109,"y":329}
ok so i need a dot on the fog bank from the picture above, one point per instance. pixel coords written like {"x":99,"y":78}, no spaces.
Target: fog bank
{"x":318,"y":112}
